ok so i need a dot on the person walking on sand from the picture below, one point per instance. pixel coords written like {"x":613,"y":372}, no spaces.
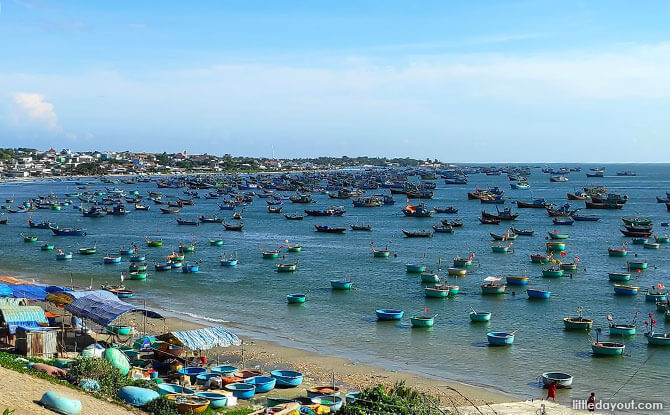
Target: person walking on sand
{"x":551,"y":391}
{"x":591,"y":402}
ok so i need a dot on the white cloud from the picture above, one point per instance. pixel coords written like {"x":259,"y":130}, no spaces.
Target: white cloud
{"x":34,"y":107}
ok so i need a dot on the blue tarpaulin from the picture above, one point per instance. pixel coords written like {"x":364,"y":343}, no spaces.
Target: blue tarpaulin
{"x":5,"y":290}
{"x":203,"y":339}
{"x":31,"y":292}
{"x":22,"y":316}
{"x":103,"y":311}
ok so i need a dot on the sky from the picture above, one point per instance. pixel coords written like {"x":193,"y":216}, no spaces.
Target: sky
{"x":460,"y":81}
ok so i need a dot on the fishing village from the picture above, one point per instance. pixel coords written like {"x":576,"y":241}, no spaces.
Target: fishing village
{"x":482,"y":257}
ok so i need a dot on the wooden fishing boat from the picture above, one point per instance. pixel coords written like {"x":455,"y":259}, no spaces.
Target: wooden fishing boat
{"x":448,"y":209}
{"x":640,"y":234}
{"x":522,"y":232}
{"x":443,"y":229}
{"x":170,"y":210}
{"x":617,"y":252}
{"x":422,"y":321}
{"x":141,"y":207}
{"x":637,"y":221}
{"x":479,"y":316}
{"x":417,"y":234}
{"x":502,"y":215}
{"x":620,"y":289}
{"x":429,"y":278}
{"x":500,"y":249}
{"x":556,"y":235}
{"x":577,"y":323}
{"x":357,"y":227}
{"x":516,"y":280}
{"x":607,"y":348}
{"x":552,"y":272}
{"x":457,"y":272}
{"x":535,"y":204}
{"x":460,"y":262}
{"x":39,"y":225}
{"x":235,"y":228}
{"x":509,"y":236}
{"x":329,"y":229}
{"x":88,"y":251}
{"x":68,"y":231}
{"x":62,"y":256}
{"x":274,"y":209}
{"x":456,"y":223}
{"x":389,"y":314}
{"x":340,"y":284}
{"x":561,"y":380}
{"x":270,"y":254}
{"x":637,"y":265}
{"x":415,"y":268}
{"x":492,"y":286}
{"x":562,"y":221}
{"x":293,"y":217}
{"x":651,"y":245}
{"x":500,"y":338}
{"x":187,"y":222}
{"x":485,"y":221}
{"x":555,"y":246}
{"x":287,"y":267}
{"x":619,"y":276}
{"x":540,"y":258}
{"x":538,"y":294}
{"x":294,"y":248}
{"x":585,"y":218}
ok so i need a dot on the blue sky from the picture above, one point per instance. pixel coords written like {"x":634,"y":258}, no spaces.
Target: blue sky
{"x":458,"y":81}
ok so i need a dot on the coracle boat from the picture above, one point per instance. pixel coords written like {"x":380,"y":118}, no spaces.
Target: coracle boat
{"x":637,"y":265}
{"x":228,"y":261}
{"x":491,"y":286}
{"x":617,"y":252}
{"x":457,"y":272}
{"x":540,"y":258}
{"x":538,"y":294}
{"x":29,"y":238}
{"x":389,"y":314}
{"x":430,"y":278}
{"x":552,"y":272}
{"x":579,"y":322}
{"x":341,"y":284}
{"x":621,"y":329}
{"x":155,"y":243}
{"x":287,"y":378}
{"x":191,"y":404}
{"x":437,"y":291}
{"x":479,"y":316}
{"x":422,"y":321}
{"x":555,"y":246}
{"x":561,"y":380}
{"x":62,"y":256}
{"x":500,"y":338}
{"x":296,"y":298}
{"x":287,"y":267}
{"x":293,"y":248}
{"x":607,"y":348}
{"x":460,"y":262}
{"x":112,"y":259}
{"x":47,"y":247}
{"x":516,"y":280}
{"x":415,"y":268}
{"x":556,"y":235}
{"x":620,"y":289}
{"x":619,"y":276}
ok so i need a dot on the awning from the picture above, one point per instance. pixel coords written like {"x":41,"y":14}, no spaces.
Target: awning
{"x":103,"y":311}
{"x":202,"y":339}
{"x":23,"y":316}
{"x":66,"y":297}
{"x":31,"y":292}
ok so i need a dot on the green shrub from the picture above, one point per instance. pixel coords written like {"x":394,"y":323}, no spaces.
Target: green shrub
{"x":161,"y":406}
{"x":8,"y":411}
{"x":109,"y":377}
{"x":399,"y":399}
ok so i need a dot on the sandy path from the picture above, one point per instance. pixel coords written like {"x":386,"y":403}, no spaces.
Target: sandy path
{"x":18,"y":391}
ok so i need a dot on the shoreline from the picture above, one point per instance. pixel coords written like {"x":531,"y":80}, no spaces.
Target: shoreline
{"x":261,"y":350}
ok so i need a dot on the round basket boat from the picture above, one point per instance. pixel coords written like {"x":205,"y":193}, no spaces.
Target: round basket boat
{"x":189,"y":404}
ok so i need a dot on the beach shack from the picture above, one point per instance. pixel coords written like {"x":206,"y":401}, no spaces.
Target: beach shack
{"x":174,"y":342}
{"x":25,"y":328}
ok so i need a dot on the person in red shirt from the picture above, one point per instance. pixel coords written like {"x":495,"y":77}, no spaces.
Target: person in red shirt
{"x":551,"y":391}
{"x":591,"y":402}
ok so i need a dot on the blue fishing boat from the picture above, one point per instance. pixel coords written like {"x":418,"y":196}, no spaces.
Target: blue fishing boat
{"x":287,"y":377}
{"x":188,"y":268}
{"x":137,"y":258}
{"x":228,"y":260}
{"x":262,"y":383}
{"x":241,"y":390}
{"x":162,"y":267}
{"x":126,"y":252}
{"x":112,"y":259}
{"x":68,"y":231}
{"x":389,"y":314}
{"x":625,"y":289}
{"x":340,"y":284}
{"x":516,"y":280}
{"x":61,"y":256}
{"x":585,"y":217}
{"x":501,"y":338}
{"x":538,"y":294}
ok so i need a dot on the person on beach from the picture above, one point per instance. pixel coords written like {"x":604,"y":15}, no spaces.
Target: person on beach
{"x":591,"y":402}
{"x":551,"y":391}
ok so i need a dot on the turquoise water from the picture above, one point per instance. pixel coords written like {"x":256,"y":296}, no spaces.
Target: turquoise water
{"x":253,"y":295}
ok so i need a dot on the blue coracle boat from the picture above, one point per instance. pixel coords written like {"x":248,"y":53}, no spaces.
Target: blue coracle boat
{"x":500,"y":338}
{"x":287,"y":377}
{"x":540,"y":294}
{"x":389,"y":314}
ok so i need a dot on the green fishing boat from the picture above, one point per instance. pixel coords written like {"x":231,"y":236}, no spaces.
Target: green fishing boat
{"x":619,"y":276}
{"x":270,"y":254}
{"x":552,"y":273}
{"x":637,"y":265}
{"x":579,"y":322}
{"x":617,"y":252}
{"x":216,"y":242}
{"x":567,"y":266}
{"x":429,"y":277}
{"x":88,"y":251}
{"x":607,"y":348}
{"x":500,"y":249}
{"x":422,"y":321}
{"x":480,"y":316}
{"x":556,"y":235}
{"x":296,"y":298}
{"x":294,"y":248}
{"x":436,"y":291}
{"x":137,"y":275}
{"x":29,"y":238}
{"x":463,"y":262}
{"x":155,"y":243}
{"x":662,"y":239}
{"x":555,"y":246}
{"x":47,"y":247}
{"x":137,"y":267}
{"x":187,"y":248}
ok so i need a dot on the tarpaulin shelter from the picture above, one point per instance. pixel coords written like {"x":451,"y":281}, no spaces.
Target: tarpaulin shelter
{"x":5,"y":290}
{"x":103,"y":310}
{"x":29,"y":317}
{"x":202,"y":339}
{"x":66,"y":297}
{"x":30,"y":292}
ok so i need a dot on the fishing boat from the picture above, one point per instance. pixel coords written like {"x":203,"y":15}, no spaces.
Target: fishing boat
{"x":621,"y":329}
{"x":68,"y":231}
{"x":228,"y":261}
{"x":619,"y":276}
{"x":190,"y":268}
{"x":417,"y":211}
{"x":141,"y":207}
{"x":617,"y":252}
{"x":186,"y":248}
{"x":563,"y":211}
{"x":460,"y":262}
{"x":457,"y":272}
{"x":189,"y":403}
{"x":555,"y":246}
{"x":491,"y":286}
{"x":137,"y":275}
{"x":540,"y":258}
{"x":537,"y":294}
{"x":522,"y":232}
{"x":500,"y":338}
{"x":651,"y":245}
{"x":331,"y":211}
{"x":656,"y":294}
{"x":62,"y":256}
{"x":216,"y":242}
{"x":274,"y":209}
{"x":552,"y":272}
{"x":270,"y":254}
{"x":136,"y":266}
{"x":94,"y":212}
{"x":620,"y":289}
{"x":479,"y":316}
{"x":154,"y":243}
{"x":503,"y":215}
{"x":357,"y":227}
{"x":422,"y":321}
{"x":443,"y":229}
{"x":47,"y":247}
{"x":293,"y":217}
{"x":329,"y":229}
{"x":287,"y":267}
{"x":235,"y":228}
{"x":520,"y":185}
{"x":39,"y":225}
{"x":187,"y":222}
{"x":437,"y":291}
{"x":607,"y":348}
{"x":119,"y":290}
{"x":516,"y":280}
{"x":429,"y":278}
{"x":485,"y":221}
{"x":500,"y":248}
{"x":636,"y":233}
{"x":561,"y":380}
{"x":558,"y":179}
{"x":415,"y":268}
{"x":417,"y":234}
{"x":556,"y":235}
{"x":340,"y":284}
{"x":535,"y":204}
{"x":137,"y":258}
{"x":637,"y":265}
{"x":562,"y":221}
{"x":126,"y":251}
{"x":449,"y":209}
{"x":112,"y":259}
{"x":293,"y":248}
{"x":658,"y":339}
{"x":509,"y":236}
{"x":88,"y":251}
{"x":29,"y":238}
{"x":640,"y":241}
{"x":579,"y":322}
{"x":162,"y":267}
{"x":170,"y":210}
{"x":389,"y":314}
{"x":585,"y":217}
